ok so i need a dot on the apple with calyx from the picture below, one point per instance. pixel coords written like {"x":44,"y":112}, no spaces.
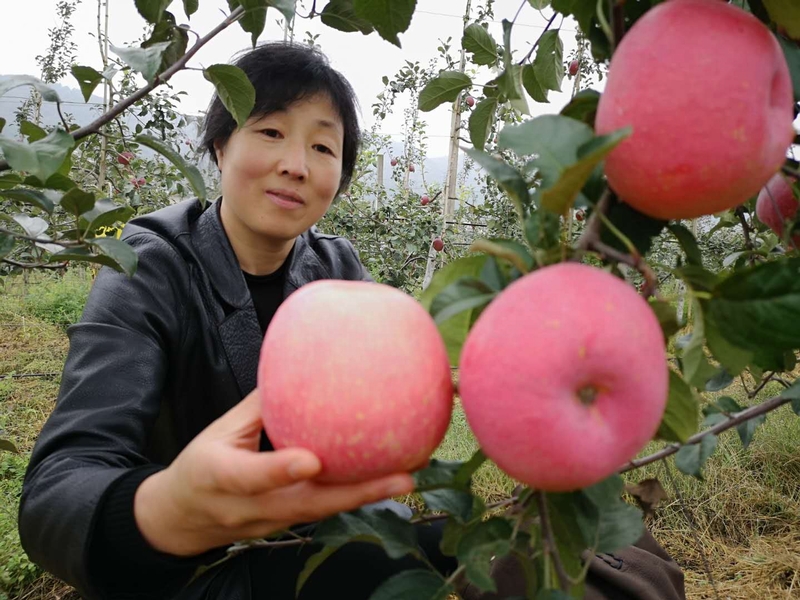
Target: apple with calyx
{"x":341,"y":375}
{"x":438,"y":244}
{"x":470,"y":101}
{"x":564,"y":378}
{"x":704,"y":138}
{"x":777,"y":204}
{"x":425,"y":200}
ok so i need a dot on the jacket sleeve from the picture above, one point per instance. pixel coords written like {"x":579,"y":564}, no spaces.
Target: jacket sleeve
{"x":108,"y":401}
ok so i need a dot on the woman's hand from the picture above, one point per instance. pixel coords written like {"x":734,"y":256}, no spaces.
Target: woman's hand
{"x":221,"y":489}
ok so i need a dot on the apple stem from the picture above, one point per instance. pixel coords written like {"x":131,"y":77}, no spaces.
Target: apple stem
{"x":739,"y":212}
{"x":548,"y":541}
{"x":587,"y":395}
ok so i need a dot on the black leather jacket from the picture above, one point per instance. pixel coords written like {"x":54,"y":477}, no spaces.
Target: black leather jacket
{"x":154,"y":359}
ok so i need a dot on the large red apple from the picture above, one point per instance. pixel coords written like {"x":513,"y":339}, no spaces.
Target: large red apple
{"x":563,"y":377}
{"x":356,"y":372}
{"x":706,"y":88}
{"x":777,"y":204}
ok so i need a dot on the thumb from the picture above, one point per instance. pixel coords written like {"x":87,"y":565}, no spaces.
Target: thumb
{"x":243,"y":421}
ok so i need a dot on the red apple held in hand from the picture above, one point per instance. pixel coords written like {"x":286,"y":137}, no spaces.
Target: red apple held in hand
{"x":573,"y":68}
{"x":411,"y":168}
{"x":470,"y":101}
{"x":125,"y":158}
{"x":564,"y":377}
{"x":424,"y":200}
{"x":356,"y":372}
{"x":438,"y":244}
{"x":393,"y":162}
{"x":691,"y":153}
{"x":777,"y":204}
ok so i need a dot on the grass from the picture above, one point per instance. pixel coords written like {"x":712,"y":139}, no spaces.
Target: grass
{"x":743,"y":520}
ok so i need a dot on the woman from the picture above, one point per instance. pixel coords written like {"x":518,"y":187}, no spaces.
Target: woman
{"x":149,"y":466}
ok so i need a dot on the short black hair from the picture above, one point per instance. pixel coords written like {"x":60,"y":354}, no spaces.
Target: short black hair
{"x":283,"y":73}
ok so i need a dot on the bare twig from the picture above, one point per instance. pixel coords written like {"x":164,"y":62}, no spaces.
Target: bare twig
{"x":124,"y":104}
{"x":748,"y":242}
{"x":549,"y":541}
{"x":536,"y":43}
{"x":761,"y":385}
{"x":37,"y":240}
{"x":733,"y":421}
{"x":34,"y":265}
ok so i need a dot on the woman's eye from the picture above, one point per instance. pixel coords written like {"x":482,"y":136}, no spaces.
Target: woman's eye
{"x":324,"y":149}
{"x":273,"y":133}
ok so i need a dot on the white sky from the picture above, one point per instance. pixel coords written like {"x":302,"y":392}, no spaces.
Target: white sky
{"x":364,"y":60}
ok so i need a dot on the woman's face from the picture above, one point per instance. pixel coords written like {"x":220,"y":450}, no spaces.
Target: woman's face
{"x":280,"y":172}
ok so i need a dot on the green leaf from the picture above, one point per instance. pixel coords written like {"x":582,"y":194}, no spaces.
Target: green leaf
{"x":105,"y":214}
{"x":2,"y":124}
{"x":690,"y":459}
{"x":747,"y":429}
{"x":454,"y":330}
{"x":254,"y":18}
{"x":190,"y":7}
{"x":637,"y":227}
{"x":167,"y":32}
{"x":733,"y":358}
{"x":234,"y":90}
{"x":539,"y":4}
{"x":118,"y":251}
{"x":27,"y":196}
{"x":383,"y":527}
{"x":459,"y":296}
{"x":583,"y":107}
{"x":532,"y":86}
{"x":480,"y":122}
{"x":47,"y":93}
{"x":443,"y":88}
{"x":33,"y":132}
{"x":667,"y":317}
{"x":759,"y":307}
{"x":152,"y":10}
{"x":416,"y":583}
{"x":681,"y":416}
{"x":388,"y":17}
{"x":688,"y":243}
{"x":543,"y":229}
{"x":480,"y":43}
{"x":9,"y":180}
{"x":457,"y":503}
{"x":189,"y":171}
{"x":8,"y":446}
{"x":696,"y":368}
{"x":88,"y":79}
{"x":549,"y":62}
{"x":510,"y":250}
{"x":285,"y":7}
{"x":341,"y":15}
{"x":729,"y":405}
{"x":559,"y":197}
{"x":313,"y":561}
{"x":143,"y":60}
{"x":42,"y":158}
{"x":77,"y":202}
{"x":510,"y":85}
{"x":793,"y":392}
{"x":791,"y":51}
{"x":785,"y":13}
{"x":86,"y":255}
{"x":33,"y":226}
{"x":566,"y":510}
{"x":619,"y":524}
{"x":481,"y":542}
{"x":7,"y":243}
{"x":720,"y":381}
{"x":509,"y":179}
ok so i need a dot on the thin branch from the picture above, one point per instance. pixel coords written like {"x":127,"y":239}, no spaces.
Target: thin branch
{"x":595,"y":224}
{"x":748,"y":242}
{"x":549,"y":541}
{"x":34,"y":265}
{"x":37,"y":240}
{"x":536,"y":43}
{"x":121,"y":106}
{"x":60,"y":114}
{"x":733,"y":421}
{"x":761,"y":385}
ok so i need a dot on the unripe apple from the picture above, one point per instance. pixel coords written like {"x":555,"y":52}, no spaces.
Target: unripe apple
{"x":393,"y":162}
{"x":424,"y":200}
{"x":711,"y":114}
{"x":125,"y":158}
{"x":470,"y":101}
{"x":411,"y":168}
{"x":438,"y":244}
{"x":356,"y":372}
{"x":564,"y":378}
{"x":573,"y":68}
{"x":776,"y":204}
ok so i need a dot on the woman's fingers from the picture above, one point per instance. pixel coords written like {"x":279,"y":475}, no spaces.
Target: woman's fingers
{"x":245,"y":473}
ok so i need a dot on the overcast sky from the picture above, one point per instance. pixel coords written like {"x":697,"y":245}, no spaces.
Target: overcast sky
{"x":362,"y":59}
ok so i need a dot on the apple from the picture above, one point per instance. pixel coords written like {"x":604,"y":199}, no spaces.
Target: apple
{"x":470,"y":101}
{"x":340,"y":375}
{"x":438,"y":244}
{"x":411,"y":168}
{"x":393,"y":162}
{"x":125,"y":158}
{"x":564,"y":377}
{"x":424,"y":200}
{"x":573,"y":68}
{"x":776,"y":204}
{"x":711,"y":115}
{"x":580,"y":215}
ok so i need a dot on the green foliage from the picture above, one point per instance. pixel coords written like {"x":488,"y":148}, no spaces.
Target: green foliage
{"x":60,"y":301}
